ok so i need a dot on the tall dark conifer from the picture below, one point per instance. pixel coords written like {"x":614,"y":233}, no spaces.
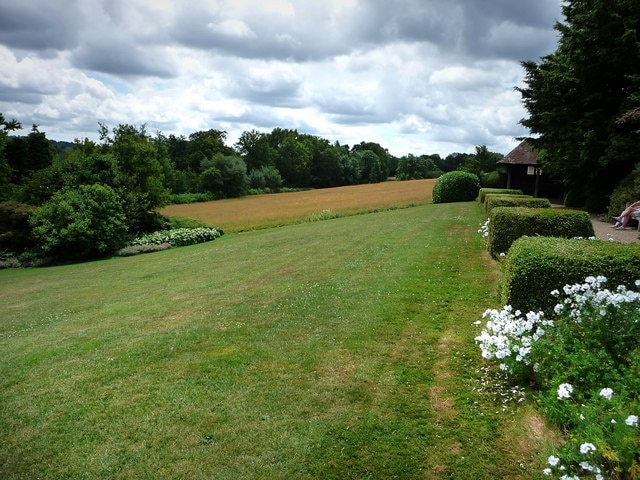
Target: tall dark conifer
{"x":575,"y":95}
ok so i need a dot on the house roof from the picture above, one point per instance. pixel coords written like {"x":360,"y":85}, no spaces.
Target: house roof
{"x":523,"y":154}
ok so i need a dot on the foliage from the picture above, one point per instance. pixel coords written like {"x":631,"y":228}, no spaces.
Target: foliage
{"x":15,"y":231}
{"x":265,"y":178}
{"x":411,"y":167}
{"x":131,"y":250}
{"x":510,"y":223}
{"x":179,"y":237}
{"x":585,"y":364}
{"x":625,"y":193}
{"x":493,"y":200}
{"x":456,"y":186}
{"x":535,"y":266}
{"x":191,"y":197}
{"x":484,"y":191}
{"x":81,"y":223}
{"x":227,"y":175}
{"x":492,"y":179}
{"x":140,"y":180}
{"x":575,"y":96}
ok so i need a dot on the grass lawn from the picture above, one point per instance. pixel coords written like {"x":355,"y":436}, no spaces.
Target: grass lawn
{"x":334,"y":349}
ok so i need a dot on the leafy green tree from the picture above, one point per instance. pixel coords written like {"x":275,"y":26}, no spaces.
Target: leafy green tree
{"x":80,"y":223}
{"x":326,"y":168}
{"x":204,"y":145}
{"x":293,"y":161}
{"x":575,"y":95}
{"x":412,"y":167}
{"x":233,"y":174}
{"x":265,"y":177}
{"x":211,"y":181}
{"x":140,"y":178}
{"x":255,"y":149}
{"x":6,"y":126}
{"x":371,"y":169}
{"x":383,"y":158}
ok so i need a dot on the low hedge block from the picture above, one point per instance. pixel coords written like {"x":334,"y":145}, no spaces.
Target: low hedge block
{"x":535,"y":266}
{"x":510,"y":223}
{"x":497,"y":191}
{"x":504,"y":200}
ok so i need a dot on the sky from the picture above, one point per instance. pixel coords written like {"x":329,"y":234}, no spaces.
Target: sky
{"x":416,"y":76}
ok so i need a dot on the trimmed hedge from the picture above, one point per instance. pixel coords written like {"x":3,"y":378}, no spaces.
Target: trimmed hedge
{"x":497,"y":191}
{"x":495,"y":200}
{"x":535,"y":266}
{"x":510,"y":223}
{"x":456,"y":186}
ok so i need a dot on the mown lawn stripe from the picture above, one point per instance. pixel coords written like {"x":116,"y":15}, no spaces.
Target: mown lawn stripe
{"x":329,"y":349}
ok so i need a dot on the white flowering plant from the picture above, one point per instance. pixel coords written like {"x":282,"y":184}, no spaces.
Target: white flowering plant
{"x":179,"y":237}
{"x":585,"y":365}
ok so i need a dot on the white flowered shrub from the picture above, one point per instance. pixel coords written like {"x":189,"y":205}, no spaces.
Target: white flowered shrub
{"x":584,"y":362}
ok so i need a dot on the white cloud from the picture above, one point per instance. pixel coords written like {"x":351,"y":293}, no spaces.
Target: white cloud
{"x":417,"y":76}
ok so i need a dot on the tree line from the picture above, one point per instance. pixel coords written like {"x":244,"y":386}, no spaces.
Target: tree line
{"x":122,"y":180}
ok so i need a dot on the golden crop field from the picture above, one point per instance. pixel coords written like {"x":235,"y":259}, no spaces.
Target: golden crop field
{"x":260,"y":211}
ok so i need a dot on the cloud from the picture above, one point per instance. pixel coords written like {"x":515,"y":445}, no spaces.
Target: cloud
{"x":418,"y":76}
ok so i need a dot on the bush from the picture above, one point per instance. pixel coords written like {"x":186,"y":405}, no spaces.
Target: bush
{"x":498,"y":191}
{"x":493,"y":200}
{"x":491,"y":179}
{"x":510,"y":223}
{"x":456,"y":186}
{"x":191,"y":197}
{"x":15,"y":231}
{"x":80,"y":223}
{"x":584,"y":361}
{"x":179,"y":237}
{"x":536,"y":266}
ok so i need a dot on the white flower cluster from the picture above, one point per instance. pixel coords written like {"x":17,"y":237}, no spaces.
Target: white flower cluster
{"x":510,"y":335}
{"x":585,"y":449}
{"x":590,"y":296}
{"x":565,"y":390}
{"x":484,"y":229}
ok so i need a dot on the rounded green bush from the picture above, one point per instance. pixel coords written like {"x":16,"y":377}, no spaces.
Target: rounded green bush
{"x":456,"y":186}
{"x":80,"y":223}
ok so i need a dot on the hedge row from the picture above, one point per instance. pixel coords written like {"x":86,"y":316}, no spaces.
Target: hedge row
{"x":507,"y":224}
{"x":535,"y":266}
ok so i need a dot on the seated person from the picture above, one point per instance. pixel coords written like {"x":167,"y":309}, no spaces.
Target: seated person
{"x":625,"y":216}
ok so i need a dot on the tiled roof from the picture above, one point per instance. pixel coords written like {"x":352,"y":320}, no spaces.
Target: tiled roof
{"x":523,"y":154}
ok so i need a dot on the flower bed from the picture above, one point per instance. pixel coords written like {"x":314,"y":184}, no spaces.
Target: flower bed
{"x":584,"y":363}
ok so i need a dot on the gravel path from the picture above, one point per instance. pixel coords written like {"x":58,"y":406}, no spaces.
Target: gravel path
{"x":604,"y":231}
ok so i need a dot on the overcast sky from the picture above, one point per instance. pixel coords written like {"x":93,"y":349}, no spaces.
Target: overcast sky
{"x":416,"y":76}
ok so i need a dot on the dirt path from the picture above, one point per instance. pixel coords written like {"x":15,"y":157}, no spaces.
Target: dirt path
{"x":604,"y":231}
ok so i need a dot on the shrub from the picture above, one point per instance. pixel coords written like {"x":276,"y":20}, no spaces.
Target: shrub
{"x":510,"y":223}
{"x":15,"y":231}
{"x":80,"y":223}
{"x":191,"y":197}
{"x":179,"y":237}
{"x":491,"y":179}
{"x":498,"y":191}
{"x":584,"y":361}
{"x":456,"y":186}
{"x":536,"y":266}
{"x":493,"y":200}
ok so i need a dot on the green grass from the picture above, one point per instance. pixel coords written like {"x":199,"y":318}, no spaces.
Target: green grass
{"x":335,"y":349}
